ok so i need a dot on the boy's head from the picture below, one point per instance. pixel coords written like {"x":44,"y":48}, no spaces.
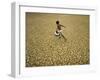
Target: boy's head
{"x":57,"y":22}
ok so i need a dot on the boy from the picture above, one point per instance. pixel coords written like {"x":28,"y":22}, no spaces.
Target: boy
{"x":59,"y":30}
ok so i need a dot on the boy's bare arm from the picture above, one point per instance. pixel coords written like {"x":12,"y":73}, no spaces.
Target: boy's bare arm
{"x":62,"y":25}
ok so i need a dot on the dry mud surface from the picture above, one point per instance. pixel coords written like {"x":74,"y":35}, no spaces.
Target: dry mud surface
{"x":43,"y":48}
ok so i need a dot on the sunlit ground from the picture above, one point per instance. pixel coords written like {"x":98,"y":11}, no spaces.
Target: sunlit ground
{"x":43,"y":48}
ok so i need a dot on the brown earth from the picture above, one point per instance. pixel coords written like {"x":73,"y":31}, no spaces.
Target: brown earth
{"x":43,"y":48}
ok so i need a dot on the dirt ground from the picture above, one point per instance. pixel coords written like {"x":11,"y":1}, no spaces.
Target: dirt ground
{"x":43,"y":48}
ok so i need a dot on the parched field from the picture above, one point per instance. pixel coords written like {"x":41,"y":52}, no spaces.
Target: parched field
{"x":43,"y":48}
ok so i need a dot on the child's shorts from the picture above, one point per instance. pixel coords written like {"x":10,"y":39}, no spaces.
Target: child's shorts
{"x":57,"y":34}
{"x":59,"y":30}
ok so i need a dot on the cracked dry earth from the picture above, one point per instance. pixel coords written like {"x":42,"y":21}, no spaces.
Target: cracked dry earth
{"x":43,"y":48}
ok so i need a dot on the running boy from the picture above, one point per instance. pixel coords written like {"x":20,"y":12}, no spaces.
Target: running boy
{"x":58,"y":30}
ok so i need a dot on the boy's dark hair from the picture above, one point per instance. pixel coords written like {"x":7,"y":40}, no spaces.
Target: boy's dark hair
{"x":57,"y":22}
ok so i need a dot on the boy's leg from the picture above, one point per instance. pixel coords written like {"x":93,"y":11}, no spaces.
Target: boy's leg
{"x":59,"y":31}
{"x":63,"y":36}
